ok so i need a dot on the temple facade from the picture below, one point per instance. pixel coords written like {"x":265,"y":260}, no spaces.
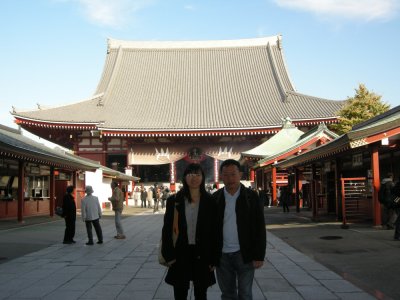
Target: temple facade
{"x":161,"y":105}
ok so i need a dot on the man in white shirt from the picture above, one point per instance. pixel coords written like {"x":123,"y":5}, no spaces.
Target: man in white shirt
{"x":241,"y":234}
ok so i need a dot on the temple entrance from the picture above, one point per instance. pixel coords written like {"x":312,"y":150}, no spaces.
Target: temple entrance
{"x":207,"y":165}
{"x":117,"y":162}
{"x":152,"y":173}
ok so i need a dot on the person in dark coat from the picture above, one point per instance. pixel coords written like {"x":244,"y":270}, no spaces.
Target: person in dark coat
{"x":143,"y":196}
{"x":193,"y":257}
{"x":396,"y":193}
{"x":263,"y":196}
{"x":241,"y":239}
{"x":69,"y":214}
{"x":285,"y":196}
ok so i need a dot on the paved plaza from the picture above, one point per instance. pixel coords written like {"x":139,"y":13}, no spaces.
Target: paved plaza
{"x":128,"y":269}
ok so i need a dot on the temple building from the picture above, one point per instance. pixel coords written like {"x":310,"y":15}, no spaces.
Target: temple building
{"x":161,"y":105}
{"x":345,"y":174}
{"x":34,"y":177}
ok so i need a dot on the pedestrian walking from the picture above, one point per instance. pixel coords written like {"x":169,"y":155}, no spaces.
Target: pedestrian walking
{"x":150,"y":197}
{"x":136,"y":196}
{"x":164,"y":196}
{"x":117,"y":200}
{"x":69,"y":215}
{"x":389,"y":214}
{"x":396,"y":207}
{"x":143,"y":196}
{"x":157,"y":198}
{"x":91,"y":214}
{"x":285,"y":197}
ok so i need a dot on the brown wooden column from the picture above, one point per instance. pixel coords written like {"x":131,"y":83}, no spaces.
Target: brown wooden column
{"x":263,"y":184}
{"x":338,"y":184}
{"x":273,"y":185}
{"x":21,"y":186}
{"x":377,"y":220}
{"x":74,"y":183}
{"x":75,"y":142}
{"x":314,"y":200}
{"x":52,"y":191}
{"x":105,"y":141}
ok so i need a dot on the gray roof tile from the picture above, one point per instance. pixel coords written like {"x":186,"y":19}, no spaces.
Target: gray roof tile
{"x":153,"y":86}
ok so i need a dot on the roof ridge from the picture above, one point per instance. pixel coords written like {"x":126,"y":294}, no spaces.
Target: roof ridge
{"x":387,"y":113}
{"x":111,"y":80}
{"x":16,"y":111}
{"x":251,"y":42}
{"x":10,"y":129}
{"x":314,"y":97}
{"x":277,"y":73}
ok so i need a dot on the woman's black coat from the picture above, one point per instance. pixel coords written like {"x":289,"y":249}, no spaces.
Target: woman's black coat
{"x":69,"y":207}
{"x":178,"y":273}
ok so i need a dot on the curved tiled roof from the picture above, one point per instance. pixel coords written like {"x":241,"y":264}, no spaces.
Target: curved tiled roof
{"x":15,"y":145}
{"x":285,"y":138}
{"x":167,"y":86}
{"x":386,"y":125}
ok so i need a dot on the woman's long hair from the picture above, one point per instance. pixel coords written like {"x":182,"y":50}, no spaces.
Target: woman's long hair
{"x":185,"y":191}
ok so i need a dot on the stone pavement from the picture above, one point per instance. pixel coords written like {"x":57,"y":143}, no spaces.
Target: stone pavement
{"x":128,"y":269}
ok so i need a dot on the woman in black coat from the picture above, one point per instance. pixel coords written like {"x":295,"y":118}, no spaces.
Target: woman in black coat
{"x":69,"y":214}
{"x":194,"y":255}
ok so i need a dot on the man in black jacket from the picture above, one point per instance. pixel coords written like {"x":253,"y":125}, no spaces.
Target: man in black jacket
{"x":241,"y":234}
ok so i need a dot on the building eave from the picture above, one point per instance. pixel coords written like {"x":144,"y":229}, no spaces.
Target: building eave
{"x":55,"y":125}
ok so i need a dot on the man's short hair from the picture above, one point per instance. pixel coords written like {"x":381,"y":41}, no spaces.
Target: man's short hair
{"x":230,"y":162}
{"x":114,"y":184}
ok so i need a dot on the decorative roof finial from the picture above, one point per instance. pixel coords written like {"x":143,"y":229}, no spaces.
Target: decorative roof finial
{"x":279,"y":42}
{"x":287,"y":122}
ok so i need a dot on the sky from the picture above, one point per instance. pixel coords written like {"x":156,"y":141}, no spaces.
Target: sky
{"x":53,"y":51}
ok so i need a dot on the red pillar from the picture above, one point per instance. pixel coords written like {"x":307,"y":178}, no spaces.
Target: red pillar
{"x":172,"y":176}
{"x":216,"y":172}
{"x":376,"y":186}
{"x":252,"y":175}
{"x":21,"y":185}
{"x":52,"y":191}
{"x":273,"y":185}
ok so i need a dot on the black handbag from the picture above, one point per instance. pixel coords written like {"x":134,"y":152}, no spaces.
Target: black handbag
{"x":59,"y":211}
{"x":396,"y":201}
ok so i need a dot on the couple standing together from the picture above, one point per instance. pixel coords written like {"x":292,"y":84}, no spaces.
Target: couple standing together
{"x":223,"y":232}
